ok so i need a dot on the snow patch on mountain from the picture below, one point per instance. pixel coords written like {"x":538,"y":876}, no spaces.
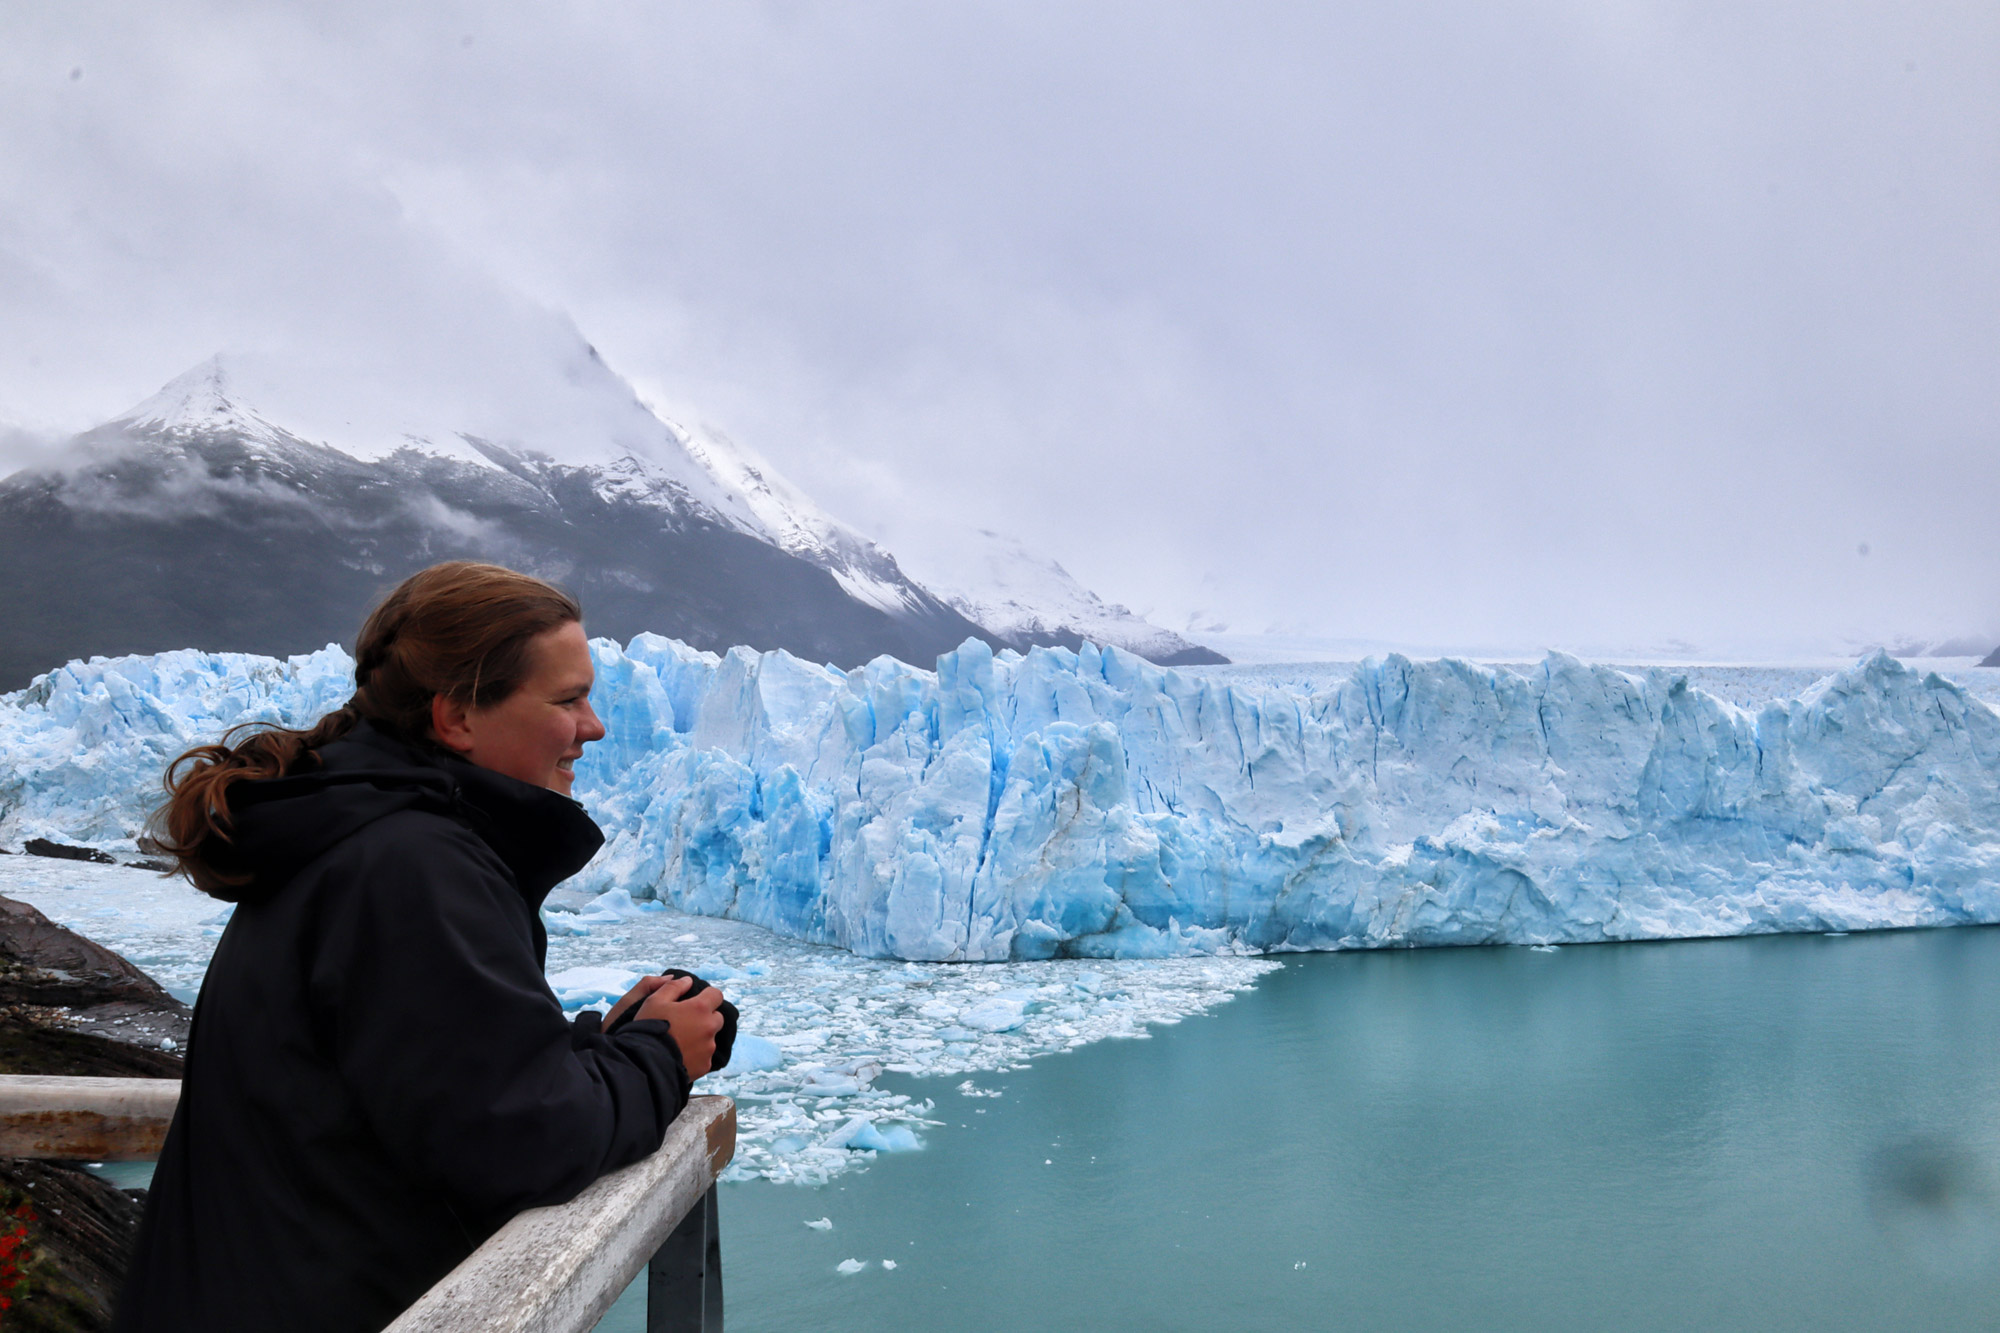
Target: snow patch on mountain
{"x":788,"y":517}
{"x":223,"y":397}
{"x":996,"y":581}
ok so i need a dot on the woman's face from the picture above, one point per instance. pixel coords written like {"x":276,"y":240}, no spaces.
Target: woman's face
{"x":537,"y":732}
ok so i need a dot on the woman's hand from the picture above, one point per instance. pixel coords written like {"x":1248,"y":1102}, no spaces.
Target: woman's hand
{"x":695,"y":1022}
{"x":646,"y":986}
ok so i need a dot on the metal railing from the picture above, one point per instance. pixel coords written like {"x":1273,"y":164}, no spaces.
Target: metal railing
{"x":550,"y":1270}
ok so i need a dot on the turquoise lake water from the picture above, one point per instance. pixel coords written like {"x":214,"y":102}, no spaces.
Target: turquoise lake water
{"x":1781,"y":1133}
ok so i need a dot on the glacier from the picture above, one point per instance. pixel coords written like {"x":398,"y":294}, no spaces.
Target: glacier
{"x":1091,"y":805}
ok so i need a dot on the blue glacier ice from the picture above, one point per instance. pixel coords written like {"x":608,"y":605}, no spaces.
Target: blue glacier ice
{"x":83,"y":749}
{"x":1090,"y":804}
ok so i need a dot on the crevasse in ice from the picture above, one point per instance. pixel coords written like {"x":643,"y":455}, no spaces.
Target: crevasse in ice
{"x":1091,"y":804}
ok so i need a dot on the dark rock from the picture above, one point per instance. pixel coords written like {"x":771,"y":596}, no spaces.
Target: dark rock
{"x":150,"y":863}
{"x":34,"y":1042}
{"x":65,"y":1241}
{"x":44,"y":963}
{"x":62,"y":851}
{"x":1992,"y":659}
{"x":1193,"y":655}
{"x":68,"y":1005}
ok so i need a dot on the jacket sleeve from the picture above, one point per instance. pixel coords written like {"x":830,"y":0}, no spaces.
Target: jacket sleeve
{"x":424,"y":984}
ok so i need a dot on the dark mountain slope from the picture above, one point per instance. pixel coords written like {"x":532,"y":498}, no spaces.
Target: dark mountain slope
{"x":268,"y":543}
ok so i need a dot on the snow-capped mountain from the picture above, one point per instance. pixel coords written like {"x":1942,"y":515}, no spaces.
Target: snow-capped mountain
{"x":262,"y":504}
{"x":1025,"y":598}
{"x":244,"y":508}
{"x":597,"y":423}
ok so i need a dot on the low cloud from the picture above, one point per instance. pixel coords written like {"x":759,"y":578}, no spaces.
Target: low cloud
{"x":24,"y":449}
{"x":1566,"y":325}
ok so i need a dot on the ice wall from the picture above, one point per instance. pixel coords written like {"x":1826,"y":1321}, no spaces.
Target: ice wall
{"x":1091,"y":804}
{"x":83,"y":750}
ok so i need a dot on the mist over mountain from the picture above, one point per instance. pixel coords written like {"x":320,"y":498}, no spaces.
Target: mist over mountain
{"x":239,"y":510}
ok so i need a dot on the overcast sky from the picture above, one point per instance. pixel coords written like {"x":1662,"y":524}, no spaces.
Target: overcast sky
{"x":1586,"y":325}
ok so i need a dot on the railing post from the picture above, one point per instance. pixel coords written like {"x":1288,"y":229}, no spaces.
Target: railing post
{"x":684,"y":1280}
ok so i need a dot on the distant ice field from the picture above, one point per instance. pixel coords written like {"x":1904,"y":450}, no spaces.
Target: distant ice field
{"x":1734,"y":683}
{"x":819,"y":1025}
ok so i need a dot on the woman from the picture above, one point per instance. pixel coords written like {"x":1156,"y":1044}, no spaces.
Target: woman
{"x":378,"y":1075}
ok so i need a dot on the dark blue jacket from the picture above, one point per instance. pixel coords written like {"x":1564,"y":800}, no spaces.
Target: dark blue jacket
{"x":378,"y":1075}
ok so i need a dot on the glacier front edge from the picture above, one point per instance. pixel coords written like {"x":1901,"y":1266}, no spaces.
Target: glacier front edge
{"x":1090,"y":804}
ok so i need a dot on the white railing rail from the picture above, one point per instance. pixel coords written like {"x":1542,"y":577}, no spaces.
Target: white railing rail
{"x":550,"y":1270}
{"x":557,"y":1270}
{"x":86,"y":1119}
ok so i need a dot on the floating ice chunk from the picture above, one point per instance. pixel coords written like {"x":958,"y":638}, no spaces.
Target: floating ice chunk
{"x":845,"y":1134}
{"x":797,"y":1043}
{"x":895,"y":1138}
{"x":753,"y":1054}
{"x":613,"y":906}
{"x":821,"y":1224}
{"x":1001,"y":1013}
{"x":862,"y":1134}
{"x":968,"y":1089}
{"x":889,"y":1264}
{"x":850,"y":1267}
{"x":563,"y":923}
{"x":577,"y":987}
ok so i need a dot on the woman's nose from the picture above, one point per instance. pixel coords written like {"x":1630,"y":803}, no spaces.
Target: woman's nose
{"x":590,"y":729}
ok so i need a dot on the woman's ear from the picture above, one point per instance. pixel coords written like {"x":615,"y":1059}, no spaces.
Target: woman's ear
{"x":451,"y":723}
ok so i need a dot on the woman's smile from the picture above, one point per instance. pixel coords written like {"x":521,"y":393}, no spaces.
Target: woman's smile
{"x":538,"y":732}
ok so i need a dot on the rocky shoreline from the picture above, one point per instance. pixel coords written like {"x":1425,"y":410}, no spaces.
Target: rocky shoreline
{"x":69,"y":1006}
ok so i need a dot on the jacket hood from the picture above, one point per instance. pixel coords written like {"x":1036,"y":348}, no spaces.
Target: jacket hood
{"x":279,"y":825}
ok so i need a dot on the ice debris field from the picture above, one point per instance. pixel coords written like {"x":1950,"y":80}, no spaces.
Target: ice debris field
{"x":1091,"y":805}
{"x":819,"y":1026}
